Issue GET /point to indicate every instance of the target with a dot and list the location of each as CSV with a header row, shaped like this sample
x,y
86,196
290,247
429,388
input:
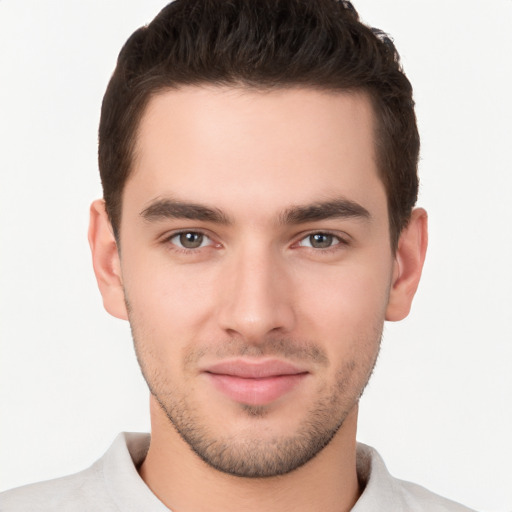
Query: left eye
x,y
320,241
190,240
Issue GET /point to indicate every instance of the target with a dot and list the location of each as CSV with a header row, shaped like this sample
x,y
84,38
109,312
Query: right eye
x,y
190,240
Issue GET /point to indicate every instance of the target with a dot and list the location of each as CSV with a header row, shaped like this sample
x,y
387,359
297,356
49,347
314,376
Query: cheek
x,y
166,300
345,304
346,293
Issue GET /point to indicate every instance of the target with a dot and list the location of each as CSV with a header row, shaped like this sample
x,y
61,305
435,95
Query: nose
x,y
257,295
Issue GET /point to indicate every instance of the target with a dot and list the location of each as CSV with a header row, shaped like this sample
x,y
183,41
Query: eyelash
x,y
341,242
185,250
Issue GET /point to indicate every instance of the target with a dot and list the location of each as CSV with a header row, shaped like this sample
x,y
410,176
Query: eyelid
x,y
343,238
166,239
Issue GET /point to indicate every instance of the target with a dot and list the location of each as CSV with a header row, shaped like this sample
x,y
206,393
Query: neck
x,y
183,482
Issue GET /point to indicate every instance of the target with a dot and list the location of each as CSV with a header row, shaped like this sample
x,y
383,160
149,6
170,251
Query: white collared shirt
x,y
112,484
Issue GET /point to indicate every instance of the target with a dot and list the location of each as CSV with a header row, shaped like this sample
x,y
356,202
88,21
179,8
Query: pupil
x,y
191,240
321,240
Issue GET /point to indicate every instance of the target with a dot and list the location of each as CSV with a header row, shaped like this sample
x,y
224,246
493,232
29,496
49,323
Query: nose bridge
x,y
257,299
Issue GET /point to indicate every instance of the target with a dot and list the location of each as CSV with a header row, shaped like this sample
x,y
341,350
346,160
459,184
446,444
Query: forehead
x,y
213,144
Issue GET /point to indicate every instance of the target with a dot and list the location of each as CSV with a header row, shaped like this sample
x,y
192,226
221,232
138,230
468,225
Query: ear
x,y
106,260
409,259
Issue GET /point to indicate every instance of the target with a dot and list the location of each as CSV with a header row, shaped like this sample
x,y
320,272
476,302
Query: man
x,y
258,162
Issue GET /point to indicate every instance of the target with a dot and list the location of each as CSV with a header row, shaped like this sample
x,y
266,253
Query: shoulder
x,y
111,483
416,497
382,492
82,491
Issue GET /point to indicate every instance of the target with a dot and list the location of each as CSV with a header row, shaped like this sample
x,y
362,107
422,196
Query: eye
x,y
320,241
190,240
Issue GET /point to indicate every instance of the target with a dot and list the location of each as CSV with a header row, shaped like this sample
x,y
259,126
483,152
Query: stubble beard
x,y
249,454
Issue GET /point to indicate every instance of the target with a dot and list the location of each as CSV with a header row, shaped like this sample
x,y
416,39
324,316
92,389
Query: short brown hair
x,y
263,44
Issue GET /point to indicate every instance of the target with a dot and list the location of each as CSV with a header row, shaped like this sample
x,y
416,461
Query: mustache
x,y
282,348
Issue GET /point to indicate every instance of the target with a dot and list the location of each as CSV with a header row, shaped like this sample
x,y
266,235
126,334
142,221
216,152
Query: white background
x,y
439,407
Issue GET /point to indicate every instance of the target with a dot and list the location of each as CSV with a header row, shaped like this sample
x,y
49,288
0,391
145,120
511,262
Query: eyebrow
x,y
173,209
339,208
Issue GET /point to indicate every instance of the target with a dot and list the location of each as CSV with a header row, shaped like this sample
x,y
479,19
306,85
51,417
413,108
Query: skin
x,y
258,287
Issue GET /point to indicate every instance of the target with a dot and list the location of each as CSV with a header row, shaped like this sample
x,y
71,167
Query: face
x,y
256,267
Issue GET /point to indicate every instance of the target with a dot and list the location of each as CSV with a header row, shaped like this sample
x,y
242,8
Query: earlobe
x,y
106,260
409,259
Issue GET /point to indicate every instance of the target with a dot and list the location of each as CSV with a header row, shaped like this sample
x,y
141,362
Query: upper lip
x,y
254,369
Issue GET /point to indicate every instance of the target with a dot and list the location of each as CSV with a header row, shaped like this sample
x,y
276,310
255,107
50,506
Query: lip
x,y
255,382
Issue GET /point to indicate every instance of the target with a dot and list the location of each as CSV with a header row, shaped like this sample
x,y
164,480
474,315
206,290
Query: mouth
x,y
255,382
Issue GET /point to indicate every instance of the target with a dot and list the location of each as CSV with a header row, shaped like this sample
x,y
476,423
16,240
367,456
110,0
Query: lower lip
x,y
260,391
